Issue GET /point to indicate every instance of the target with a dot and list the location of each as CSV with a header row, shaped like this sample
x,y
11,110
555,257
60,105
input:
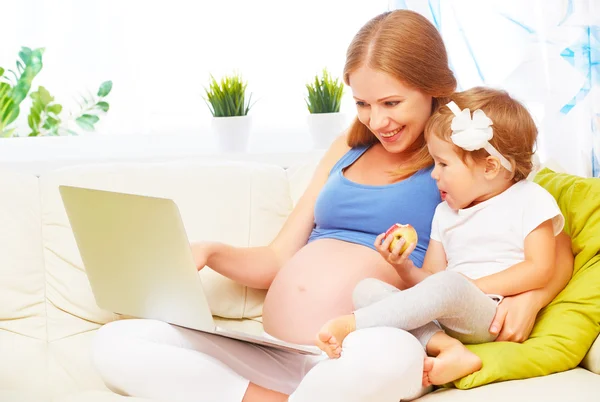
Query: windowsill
x,y
39,155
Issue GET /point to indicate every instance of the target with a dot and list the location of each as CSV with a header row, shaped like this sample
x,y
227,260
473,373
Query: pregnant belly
x,y
316,285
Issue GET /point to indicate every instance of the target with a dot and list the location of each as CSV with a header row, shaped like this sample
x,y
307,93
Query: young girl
x,y
493,236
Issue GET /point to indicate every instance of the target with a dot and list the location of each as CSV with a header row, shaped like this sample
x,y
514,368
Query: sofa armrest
x,y
591,361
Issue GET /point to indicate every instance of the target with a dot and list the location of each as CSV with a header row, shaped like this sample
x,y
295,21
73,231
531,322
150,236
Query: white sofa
x,y
48,315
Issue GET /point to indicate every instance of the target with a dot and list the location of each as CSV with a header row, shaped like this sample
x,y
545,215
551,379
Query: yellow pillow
x,y
566,328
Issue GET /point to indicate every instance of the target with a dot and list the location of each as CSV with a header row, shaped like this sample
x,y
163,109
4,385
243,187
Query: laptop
x,y
139,262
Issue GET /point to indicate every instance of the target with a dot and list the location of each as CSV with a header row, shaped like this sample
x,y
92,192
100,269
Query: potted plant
x,y
226,100
325,122
44,116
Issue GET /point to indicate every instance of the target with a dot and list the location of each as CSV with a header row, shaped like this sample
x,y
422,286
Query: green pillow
x,y
566,328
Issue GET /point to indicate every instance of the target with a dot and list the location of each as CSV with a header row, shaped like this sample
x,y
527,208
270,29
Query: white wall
x,y
159,54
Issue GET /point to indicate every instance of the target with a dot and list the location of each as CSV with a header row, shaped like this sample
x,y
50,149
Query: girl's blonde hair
x,y
515,131
405,45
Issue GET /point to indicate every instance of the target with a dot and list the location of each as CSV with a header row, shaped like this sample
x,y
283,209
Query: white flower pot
x,y
324,128
232,132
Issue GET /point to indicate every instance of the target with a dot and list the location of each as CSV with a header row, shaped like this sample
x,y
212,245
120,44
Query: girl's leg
x,y
377,364
465,304
160,361
448,297
371,290
452,360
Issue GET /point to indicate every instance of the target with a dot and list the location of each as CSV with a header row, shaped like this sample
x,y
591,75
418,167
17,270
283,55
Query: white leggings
x,y
152,359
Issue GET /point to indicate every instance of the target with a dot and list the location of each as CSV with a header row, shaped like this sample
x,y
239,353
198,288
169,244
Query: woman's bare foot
x,y
332,335
451,364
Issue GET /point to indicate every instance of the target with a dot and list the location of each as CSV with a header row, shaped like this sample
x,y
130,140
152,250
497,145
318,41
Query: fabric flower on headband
x,y
474,133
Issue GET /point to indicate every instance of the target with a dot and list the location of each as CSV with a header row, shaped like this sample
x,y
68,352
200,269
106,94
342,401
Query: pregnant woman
x,y
374,175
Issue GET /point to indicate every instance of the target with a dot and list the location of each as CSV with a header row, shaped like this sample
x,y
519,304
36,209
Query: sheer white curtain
x,y
544,52
159,55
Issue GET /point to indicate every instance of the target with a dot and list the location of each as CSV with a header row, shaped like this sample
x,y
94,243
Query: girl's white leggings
x,y
159,361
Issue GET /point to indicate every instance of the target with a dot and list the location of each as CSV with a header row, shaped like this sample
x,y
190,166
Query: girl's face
x,y
460,185
395,113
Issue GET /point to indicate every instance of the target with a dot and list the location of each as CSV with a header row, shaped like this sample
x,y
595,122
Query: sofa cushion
x,y
242,204
574,385
100,396
22,302
591,361
565,329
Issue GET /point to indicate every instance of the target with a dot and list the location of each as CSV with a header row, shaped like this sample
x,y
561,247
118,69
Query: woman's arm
x,y
257,266
535,272
516,315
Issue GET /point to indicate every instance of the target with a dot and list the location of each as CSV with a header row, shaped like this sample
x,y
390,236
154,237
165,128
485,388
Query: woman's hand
x,y
401,263
515,317
201,251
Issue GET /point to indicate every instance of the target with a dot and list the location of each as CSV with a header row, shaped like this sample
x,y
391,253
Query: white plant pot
x,y
324,128
232,132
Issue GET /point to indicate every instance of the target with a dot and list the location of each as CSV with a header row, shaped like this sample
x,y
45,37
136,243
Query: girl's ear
x,y
492,167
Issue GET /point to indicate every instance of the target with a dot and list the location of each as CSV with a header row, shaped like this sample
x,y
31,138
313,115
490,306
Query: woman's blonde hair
x,y
405,45
515,131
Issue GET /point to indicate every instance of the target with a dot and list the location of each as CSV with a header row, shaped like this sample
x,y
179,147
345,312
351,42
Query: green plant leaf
x,y
87,121
43,116
7,133
56,109
33,65
1,71
105,88
102,105
9,110
324,94
227,97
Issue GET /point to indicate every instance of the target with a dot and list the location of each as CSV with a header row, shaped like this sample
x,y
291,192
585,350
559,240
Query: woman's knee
x,y
113,342
377,364
386,350
388,359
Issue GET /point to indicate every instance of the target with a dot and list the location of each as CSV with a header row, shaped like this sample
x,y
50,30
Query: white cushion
x,y
299,177
70,367
99,396
22,303
574,385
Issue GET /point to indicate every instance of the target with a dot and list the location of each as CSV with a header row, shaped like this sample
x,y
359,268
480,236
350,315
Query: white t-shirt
x,y
490,237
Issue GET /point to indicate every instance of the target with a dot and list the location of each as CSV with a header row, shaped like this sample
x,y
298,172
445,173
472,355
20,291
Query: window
x,y
159,55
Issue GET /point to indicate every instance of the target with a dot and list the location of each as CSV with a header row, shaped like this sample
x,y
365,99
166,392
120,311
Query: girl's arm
x,y
516,315
257,266
534,273
435,259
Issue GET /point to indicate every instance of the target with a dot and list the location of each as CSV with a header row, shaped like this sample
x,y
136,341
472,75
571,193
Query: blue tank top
x,y
358,213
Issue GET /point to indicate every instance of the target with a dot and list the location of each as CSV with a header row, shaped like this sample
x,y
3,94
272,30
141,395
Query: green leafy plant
x,y
14,91
44,114
227,97
324,94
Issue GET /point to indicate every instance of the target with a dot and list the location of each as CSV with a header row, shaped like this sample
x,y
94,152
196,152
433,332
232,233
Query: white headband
x,y
473,134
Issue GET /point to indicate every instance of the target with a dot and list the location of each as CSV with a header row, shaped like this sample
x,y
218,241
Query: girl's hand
x,y
515,317
400,262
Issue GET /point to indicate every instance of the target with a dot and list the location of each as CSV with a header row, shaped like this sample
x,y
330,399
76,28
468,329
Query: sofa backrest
x,y
46,303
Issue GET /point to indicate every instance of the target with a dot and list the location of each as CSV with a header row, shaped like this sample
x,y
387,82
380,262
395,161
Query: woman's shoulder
x,y
341,155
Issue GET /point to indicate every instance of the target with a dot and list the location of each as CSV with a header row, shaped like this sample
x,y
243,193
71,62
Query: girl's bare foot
x,y
451,364
332,335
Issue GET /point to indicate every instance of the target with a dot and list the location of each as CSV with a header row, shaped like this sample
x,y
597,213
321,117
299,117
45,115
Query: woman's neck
x,y
392,159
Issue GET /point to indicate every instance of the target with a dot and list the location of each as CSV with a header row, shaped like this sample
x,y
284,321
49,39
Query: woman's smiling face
x,y
395,113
